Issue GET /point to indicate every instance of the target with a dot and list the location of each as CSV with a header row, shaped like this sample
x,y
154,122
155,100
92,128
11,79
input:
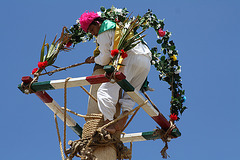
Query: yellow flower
x,y
174,57
96,52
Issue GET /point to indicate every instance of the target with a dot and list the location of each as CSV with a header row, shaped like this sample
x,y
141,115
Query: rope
x,y
164,135
130,149
112,76
59,138
130,119
65,113
145,94
96,116
89,94
122,116
84,148
27,88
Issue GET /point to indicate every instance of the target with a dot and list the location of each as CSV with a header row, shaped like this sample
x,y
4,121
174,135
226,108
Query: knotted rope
x,y
84,148
166,137
27,88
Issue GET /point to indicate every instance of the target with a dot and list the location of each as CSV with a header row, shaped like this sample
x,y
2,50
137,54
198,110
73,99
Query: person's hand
x,y
90,60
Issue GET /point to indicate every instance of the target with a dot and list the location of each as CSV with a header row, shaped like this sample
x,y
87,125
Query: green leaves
x,y
168,67
55,48
159,41
102,9
42,50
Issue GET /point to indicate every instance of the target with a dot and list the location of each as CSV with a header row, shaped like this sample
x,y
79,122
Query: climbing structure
x,y
167,65
39,88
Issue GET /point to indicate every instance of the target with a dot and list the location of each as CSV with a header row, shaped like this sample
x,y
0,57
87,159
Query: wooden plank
x,y
73,82
136,137
53,105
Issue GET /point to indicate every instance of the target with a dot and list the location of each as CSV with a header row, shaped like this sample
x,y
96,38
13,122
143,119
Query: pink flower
x,y
34,70
124,54
42,65
161,32
114,52
173,117
69,44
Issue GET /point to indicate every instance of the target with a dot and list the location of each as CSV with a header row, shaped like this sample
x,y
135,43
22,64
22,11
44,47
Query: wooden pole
x,y
101,153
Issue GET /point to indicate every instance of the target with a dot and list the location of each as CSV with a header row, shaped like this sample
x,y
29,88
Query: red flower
x,y
42,65
68,44
161,32
34,70
116,20
173,116
124,54
114,52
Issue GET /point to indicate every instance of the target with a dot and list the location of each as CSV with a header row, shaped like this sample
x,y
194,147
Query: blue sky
x,y
206,34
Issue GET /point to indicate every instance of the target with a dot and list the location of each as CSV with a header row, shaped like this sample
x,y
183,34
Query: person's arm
x,y
105,41
90,59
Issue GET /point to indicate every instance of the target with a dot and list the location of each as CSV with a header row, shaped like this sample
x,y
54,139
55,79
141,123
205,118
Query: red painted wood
x,y
27,79
162,121
97,79
44,96
120,76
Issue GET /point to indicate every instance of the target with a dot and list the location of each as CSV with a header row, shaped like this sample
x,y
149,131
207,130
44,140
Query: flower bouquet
x,y
127,39
62,44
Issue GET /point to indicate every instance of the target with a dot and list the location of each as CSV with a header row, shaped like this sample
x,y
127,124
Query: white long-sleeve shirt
x,y
136,68
106,42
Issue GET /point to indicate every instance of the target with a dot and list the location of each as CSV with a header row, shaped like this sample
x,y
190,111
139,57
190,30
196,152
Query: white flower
x,y
116,9
99,13
77,21
127,25
170,33
170,51
153,62
178,70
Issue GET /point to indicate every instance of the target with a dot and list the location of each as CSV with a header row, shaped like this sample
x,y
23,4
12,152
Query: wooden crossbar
x,y
54,106
122,82
140,136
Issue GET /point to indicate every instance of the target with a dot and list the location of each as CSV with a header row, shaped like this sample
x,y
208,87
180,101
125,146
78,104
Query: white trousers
x,y
136,68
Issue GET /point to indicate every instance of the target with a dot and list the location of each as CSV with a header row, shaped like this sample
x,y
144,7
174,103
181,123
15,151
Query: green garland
x,y
166,62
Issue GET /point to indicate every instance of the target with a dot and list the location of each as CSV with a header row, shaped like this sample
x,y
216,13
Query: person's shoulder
x,y
107,25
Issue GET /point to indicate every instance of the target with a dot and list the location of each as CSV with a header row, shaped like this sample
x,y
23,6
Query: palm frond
x,y
47,45
129,44
42,50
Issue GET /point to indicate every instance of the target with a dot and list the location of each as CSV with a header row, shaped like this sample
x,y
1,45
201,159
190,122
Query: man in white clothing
x,y
136,67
